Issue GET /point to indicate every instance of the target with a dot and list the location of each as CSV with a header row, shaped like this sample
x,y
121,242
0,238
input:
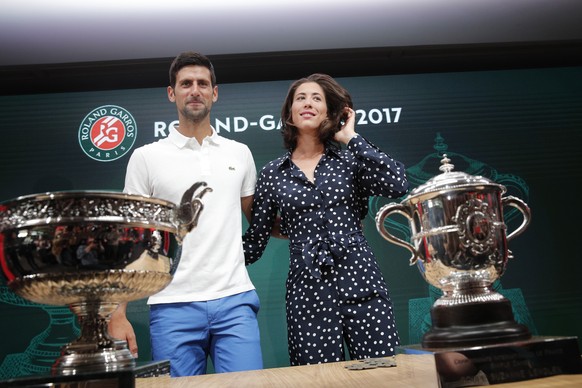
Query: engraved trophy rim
x,y
19,216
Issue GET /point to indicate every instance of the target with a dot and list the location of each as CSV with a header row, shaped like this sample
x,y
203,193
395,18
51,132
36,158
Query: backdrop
x,y
520,128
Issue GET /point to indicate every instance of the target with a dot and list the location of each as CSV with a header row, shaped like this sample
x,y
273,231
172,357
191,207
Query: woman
x,y
335,290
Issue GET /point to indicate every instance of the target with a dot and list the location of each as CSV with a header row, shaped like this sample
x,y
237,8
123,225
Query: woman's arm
x,y
263,221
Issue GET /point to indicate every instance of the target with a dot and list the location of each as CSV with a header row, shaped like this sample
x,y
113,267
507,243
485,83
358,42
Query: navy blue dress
x,y
335,290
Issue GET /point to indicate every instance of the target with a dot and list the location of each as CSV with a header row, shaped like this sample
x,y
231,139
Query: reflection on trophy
x,y
91,250
459,244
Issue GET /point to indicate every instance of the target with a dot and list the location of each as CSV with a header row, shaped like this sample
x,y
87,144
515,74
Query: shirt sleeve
x,y
378,174
263,213
136,175
250,179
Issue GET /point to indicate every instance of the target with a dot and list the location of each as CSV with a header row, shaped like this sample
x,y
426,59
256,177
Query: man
x,y
210,307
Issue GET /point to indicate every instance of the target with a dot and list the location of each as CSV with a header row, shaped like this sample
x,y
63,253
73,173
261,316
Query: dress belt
x,y
322,252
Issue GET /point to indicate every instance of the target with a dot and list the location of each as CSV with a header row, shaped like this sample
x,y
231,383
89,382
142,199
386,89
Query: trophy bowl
x,y
459,244
91,250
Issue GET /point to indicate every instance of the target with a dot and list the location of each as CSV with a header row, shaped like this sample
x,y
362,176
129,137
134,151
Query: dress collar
x,y
331,150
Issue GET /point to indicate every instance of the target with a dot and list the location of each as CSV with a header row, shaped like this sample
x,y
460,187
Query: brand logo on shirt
x,y
107,133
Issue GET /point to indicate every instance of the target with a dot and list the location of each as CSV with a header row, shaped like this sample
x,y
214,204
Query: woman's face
x,y
309,107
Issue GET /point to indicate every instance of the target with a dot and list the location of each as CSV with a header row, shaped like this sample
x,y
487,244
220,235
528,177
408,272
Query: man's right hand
x,y
120,328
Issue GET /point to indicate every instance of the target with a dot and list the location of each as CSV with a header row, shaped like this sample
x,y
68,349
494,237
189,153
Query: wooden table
x,y
336,375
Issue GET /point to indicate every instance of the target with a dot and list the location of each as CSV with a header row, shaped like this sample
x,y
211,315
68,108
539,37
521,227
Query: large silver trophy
x,y
91,250
459,244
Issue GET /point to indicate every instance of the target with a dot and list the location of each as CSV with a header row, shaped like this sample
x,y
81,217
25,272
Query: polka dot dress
x,y
335,291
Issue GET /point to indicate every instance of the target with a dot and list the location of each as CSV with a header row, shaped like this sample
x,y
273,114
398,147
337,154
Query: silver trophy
x,y
91,250
459,244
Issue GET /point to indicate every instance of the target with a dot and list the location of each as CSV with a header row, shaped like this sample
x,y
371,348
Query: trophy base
x,y
88,358
495,363
122,378
474,324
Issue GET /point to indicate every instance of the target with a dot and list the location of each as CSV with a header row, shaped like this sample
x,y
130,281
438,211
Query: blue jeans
x,y
225,329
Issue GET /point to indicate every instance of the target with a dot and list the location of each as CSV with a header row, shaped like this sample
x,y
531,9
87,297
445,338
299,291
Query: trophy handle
x,y
189,209
525,211
384,213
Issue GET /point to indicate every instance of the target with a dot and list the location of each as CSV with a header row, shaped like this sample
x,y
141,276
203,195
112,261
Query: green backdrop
x,y
521,128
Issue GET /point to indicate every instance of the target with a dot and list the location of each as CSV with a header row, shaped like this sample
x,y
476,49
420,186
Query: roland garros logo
x,y
107,133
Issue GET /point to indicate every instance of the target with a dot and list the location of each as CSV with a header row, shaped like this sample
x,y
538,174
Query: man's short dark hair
x,y
190,58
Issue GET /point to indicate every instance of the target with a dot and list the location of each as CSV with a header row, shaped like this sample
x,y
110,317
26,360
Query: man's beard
x,y
195,116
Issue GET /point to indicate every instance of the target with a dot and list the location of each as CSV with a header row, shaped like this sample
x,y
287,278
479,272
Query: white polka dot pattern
x,y
335,289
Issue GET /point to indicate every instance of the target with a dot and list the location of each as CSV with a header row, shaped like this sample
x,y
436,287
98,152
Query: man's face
x,y
193,93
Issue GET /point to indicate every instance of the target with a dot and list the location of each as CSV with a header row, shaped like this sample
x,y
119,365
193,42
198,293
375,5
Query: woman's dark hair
x,y
190,58
336,97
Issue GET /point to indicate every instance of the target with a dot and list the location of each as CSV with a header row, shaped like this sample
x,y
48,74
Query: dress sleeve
x,y
264,213
379,174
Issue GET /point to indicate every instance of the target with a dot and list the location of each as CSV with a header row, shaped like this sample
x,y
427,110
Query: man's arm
x,y
120,328
246,204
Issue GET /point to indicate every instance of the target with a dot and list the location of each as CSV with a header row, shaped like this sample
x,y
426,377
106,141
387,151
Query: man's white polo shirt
x,y
212,261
